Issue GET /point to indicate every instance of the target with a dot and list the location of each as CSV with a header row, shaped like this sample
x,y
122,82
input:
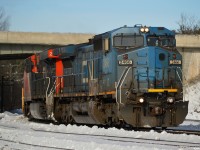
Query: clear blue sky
x,y
95,16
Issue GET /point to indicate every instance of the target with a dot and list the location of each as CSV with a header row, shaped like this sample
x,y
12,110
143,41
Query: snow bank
x,y
20,121
192,94
24,131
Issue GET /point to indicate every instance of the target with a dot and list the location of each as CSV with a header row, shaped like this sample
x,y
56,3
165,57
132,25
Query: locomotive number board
x,y
125,62
175,62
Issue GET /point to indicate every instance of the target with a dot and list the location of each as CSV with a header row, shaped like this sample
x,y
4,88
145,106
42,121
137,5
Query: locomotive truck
x,y
126,76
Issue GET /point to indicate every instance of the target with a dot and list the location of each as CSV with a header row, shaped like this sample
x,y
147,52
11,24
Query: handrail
x,y
122,83
179,77
182,73
47,87
186,85
53,88
119,83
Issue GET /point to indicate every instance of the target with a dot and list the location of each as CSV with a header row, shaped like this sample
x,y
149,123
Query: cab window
x,y
128,41
162,41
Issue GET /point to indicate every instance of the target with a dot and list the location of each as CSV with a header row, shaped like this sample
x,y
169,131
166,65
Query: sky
x,y
94,16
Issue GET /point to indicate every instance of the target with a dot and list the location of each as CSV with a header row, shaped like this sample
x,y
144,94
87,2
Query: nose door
x,y
161,67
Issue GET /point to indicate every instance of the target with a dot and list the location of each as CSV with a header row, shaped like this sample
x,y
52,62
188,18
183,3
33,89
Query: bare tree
x,y
189,24
4,20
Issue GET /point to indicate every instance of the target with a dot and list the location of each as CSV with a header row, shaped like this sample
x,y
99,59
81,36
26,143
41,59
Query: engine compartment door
x,y
161,67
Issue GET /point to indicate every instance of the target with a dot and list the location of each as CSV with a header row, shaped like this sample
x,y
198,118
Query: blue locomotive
x,y
130,75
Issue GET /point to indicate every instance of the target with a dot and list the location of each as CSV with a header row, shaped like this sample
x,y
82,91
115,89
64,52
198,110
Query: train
x,y
127,76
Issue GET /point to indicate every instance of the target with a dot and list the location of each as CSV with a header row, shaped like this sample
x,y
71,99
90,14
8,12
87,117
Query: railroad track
x,y
168,130
36,146
177,144
132,140
180,131
32,145
192,120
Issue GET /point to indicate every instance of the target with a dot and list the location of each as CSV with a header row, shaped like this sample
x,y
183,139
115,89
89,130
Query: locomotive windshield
x,y
163,41
128,41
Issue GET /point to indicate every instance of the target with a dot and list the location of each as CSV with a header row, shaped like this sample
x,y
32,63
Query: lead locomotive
x,y
130,75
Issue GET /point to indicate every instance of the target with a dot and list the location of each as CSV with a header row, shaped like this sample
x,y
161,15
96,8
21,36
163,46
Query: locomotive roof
x,y
135,29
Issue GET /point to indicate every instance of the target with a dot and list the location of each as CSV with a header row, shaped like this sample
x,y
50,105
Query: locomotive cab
x,y
150,77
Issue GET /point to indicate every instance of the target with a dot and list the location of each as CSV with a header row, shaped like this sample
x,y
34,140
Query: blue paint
x,y
150,68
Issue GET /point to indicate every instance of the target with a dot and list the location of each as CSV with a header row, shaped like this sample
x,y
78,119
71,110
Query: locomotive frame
x,y
130,75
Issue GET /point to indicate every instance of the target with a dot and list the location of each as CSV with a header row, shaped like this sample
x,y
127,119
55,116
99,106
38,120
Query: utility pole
x,y
2,78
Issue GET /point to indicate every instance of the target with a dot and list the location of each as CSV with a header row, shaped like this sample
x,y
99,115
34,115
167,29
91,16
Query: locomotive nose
x,y
125,80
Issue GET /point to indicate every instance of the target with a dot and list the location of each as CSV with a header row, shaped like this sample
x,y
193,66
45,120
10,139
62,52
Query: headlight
x,y
141,100
170,99
146,29
142,29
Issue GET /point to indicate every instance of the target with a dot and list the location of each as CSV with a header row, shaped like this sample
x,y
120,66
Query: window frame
x,y
126,46
160,38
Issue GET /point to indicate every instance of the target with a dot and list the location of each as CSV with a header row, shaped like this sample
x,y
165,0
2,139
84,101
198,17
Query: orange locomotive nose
x,y
34,61
59,76
59,71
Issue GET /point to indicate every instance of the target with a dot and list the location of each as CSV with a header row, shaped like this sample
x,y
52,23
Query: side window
x,y
106,44
97,44
101,44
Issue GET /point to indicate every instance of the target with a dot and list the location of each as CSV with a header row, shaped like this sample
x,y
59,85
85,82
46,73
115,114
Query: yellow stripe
x,y
107,93
83,94
162,90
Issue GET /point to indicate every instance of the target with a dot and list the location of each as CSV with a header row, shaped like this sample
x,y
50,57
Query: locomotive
x,y
126,76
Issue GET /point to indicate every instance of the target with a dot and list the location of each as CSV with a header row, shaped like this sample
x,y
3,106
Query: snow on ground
x,y
22,131
192,94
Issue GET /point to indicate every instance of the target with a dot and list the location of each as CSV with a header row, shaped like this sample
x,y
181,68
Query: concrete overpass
x,y
27,43
22,44
189,47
